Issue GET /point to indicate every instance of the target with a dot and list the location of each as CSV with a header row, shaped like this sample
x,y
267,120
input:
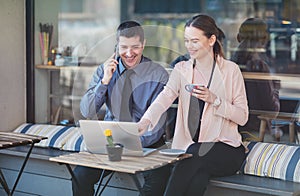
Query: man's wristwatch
x,y
217,102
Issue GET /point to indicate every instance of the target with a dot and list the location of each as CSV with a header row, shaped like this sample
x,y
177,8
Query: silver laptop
x,y
125,133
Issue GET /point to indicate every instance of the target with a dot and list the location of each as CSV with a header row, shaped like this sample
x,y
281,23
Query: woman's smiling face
x,y
130,50
196,43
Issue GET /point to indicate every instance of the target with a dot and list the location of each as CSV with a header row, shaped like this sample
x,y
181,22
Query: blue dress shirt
x,y
148,81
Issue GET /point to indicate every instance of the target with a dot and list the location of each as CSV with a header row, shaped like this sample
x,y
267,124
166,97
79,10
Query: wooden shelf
x,y
53,67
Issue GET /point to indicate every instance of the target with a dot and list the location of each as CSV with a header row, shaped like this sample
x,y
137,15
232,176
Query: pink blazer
x,y
218,123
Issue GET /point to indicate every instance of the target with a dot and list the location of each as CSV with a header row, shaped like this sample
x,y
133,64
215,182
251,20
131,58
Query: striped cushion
x,y
279,161
61,137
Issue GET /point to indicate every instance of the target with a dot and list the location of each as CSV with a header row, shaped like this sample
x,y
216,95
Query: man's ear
x,y
144,44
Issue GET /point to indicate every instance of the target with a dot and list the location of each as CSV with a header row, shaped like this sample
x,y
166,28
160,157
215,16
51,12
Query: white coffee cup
x,y
190,87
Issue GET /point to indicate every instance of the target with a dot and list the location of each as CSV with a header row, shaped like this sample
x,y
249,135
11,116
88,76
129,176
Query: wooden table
x,y
11,139
129,164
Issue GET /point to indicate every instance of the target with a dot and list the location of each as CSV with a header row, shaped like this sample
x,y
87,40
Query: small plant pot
x,y
115,152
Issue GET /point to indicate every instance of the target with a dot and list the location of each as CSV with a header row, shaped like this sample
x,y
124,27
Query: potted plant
x,y
114,150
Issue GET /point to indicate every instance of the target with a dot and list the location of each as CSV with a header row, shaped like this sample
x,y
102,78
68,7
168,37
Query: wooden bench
x,y
41,175
247,185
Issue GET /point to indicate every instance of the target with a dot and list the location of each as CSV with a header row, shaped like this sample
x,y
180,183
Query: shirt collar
x,y
121,67
138,69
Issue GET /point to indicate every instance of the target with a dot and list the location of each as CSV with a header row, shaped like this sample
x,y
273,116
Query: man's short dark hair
x,y
255,30
130,29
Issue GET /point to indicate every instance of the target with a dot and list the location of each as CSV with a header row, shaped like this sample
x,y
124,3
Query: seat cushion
x,y
273,160
61,137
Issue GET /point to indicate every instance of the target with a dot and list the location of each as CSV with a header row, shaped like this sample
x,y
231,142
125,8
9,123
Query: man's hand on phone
x,y
110,66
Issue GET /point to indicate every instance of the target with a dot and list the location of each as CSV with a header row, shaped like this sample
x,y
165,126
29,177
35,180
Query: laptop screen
x,y
125,133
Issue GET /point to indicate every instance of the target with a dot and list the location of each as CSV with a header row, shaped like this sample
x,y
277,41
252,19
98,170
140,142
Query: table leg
x,y
72,174
262,129
100,181
2,178
137,184
292,132
22,169
106,183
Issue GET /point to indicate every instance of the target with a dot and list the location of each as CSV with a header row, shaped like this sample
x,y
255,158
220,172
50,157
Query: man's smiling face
x,y
130,50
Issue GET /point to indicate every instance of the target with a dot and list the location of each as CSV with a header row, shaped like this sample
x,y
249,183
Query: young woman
x,y
208,116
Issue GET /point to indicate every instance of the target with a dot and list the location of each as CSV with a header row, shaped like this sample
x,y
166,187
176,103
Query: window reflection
x,y
82,24
87,28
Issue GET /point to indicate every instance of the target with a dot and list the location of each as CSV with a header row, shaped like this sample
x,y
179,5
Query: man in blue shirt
x,y
147,80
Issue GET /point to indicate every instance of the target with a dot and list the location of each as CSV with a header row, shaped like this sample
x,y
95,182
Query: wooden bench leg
x,y
262,129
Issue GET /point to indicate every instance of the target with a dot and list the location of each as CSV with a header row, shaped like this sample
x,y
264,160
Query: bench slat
x,y
257,184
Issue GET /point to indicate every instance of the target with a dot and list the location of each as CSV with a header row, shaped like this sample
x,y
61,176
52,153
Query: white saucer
x,y
172,152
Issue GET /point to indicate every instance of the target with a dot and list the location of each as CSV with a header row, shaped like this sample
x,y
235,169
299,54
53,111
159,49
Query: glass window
x,y
84,36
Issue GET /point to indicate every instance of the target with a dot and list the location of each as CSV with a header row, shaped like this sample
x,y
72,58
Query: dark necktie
x,y
196,110
126,103
194,117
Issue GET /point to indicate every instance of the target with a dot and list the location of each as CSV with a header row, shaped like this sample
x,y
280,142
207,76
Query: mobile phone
x,y
117,51
190,87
